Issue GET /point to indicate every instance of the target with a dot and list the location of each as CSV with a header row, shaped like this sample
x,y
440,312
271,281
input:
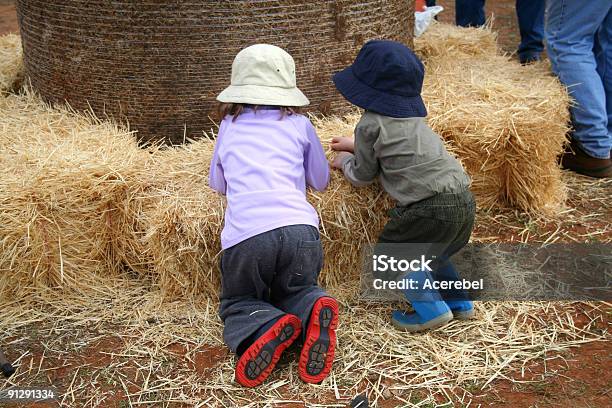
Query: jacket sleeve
x,y
362,167
216,178
315,162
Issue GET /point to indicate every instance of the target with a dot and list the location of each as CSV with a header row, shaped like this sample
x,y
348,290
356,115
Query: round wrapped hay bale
x,y
159,65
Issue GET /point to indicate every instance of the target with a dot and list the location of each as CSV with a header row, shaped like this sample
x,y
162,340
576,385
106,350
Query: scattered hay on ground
x,y
588,217
153,351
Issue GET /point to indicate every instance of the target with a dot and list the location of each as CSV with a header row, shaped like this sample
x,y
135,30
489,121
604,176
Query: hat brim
x,y
263,95
360,94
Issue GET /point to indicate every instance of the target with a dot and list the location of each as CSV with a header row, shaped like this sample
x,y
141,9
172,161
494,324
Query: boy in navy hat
x,y
394,144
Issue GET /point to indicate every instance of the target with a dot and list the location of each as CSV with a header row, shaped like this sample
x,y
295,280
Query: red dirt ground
x,y
581,378
580,375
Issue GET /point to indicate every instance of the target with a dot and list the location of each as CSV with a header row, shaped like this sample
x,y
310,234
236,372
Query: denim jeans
x,y
470,13
265,277
530,13
579,41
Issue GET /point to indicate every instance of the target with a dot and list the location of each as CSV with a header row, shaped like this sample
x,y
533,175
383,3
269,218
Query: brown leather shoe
x,y
580,162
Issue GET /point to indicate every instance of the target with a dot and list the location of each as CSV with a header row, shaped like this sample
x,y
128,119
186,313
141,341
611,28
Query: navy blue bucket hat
x,y
385,78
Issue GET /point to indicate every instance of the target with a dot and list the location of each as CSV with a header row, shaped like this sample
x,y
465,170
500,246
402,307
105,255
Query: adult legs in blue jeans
x,y
469,13
530,15
575,32
603,55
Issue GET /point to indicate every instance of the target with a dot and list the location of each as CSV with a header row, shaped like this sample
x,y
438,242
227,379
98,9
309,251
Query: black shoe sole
x,y
262,360
318,352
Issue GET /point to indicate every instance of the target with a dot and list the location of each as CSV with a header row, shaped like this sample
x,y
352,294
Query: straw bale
x,y
88,204
350,218
506,122
62,191
11,63
446,40
175,236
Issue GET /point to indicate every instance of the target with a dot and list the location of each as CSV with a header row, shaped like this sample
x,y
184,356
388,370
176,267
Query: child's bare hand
x,y
339,159
343,144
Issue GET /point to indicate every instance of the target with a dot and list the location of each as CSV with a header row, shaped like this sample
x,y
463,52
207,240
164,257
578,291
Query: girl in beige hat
x,y
265,156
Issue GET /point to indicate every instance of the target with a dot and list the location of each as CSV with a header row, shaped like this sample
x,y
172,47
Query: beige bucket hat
x,y
263,74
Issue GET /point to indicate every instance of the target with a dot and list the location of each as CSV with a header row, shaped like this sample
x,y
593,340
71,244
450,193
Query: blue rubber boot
x,y
430,311
462,309
460,305
426,316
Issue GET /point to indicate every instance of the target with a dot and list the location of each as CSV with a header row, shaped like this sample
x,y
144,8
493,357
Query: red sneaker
x,y
317,354
258,361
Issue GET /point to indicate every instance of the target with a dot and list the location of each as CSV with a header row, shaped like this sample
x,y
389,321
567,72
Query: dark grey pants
x,y
446,220
266,276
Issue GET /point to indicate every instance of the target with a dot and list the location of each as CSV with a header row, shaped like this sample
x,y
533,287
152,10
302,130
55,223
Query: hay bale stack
x,y
80,203
11,63
506,122
89,204
176,239
62,195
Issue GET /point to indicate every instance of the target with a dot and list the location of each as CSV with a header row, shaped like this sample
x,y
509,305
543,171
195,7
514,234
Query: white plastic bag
x,y
422,19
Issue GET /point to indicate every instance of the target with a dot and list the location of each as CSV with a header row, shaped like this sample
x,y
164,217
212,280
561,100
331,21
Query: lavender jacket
x,y
262,163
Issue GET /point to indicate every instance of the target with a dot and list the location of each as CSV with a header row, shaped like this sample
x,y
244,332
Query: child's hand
x,y
343,144
339,159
